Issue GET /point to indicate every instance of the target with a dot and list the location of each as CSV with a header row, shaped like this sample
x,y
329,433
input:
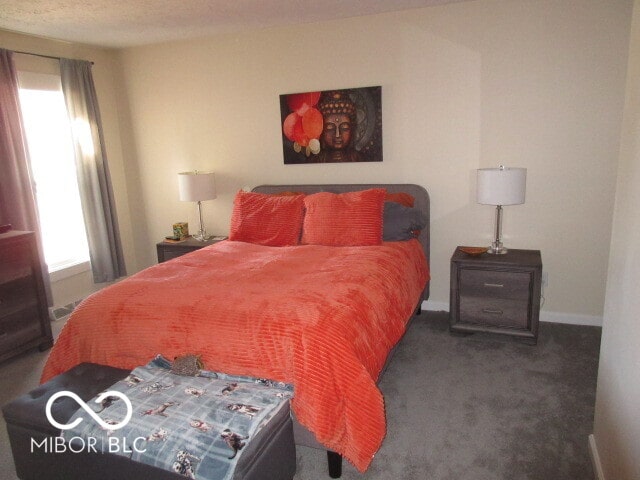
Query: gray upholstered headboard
x,y
419,193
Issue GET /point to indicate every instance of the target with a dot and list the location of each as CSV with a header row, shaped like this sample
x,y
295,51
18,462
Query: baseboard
x,y
595,458
570,318
435,306
545,316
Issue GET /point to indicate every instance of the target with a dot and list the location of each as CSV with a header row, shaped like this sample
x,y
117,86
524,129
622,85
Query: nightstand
x,y
169,250
496,293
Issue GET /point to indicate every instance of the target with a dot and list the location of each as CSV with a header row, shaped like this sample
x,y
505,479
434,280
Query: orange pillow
x,y
345,219
267,219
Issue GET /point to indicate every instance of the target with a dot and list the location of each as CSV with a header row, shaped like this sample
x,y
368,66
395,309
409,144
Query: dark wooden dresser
x,y
24,318
496,293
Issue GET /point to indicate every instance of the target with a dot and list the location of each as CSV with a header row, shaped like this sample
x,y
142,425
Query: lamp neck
x,y
496,246
202,233
200,216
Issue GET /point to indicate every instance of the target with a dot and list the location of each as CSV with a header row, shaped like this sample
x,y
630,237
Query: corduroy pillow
x,y
267,219
345,219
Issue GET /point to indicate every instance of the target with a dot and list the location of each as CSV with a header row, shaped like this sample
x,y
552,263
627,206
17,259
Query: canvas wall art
x,y
332,126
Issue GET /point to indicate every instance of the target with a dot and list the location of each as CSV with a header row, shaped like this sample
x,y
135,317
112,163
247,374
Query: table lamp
x,y
197,187
500,186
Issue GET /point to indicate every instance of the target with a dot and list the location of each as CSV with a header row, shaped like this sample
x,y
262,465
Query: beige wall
x,y
536,84
106,82
617,419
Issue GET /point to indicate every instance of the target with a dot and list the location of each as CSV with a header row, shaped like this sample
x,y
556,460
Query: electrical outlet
x,y
545,279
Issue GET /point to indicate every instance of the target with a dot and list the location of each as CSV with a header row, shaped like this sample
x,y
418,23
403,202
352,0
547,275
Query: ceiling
x,y
125,23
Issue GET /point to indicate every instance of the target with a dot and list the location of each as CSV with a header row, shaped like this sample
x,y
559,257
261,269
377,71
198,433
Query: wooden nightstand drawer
x,y
16,263
20,327
169,254
507,313
495,283
19,253
17,294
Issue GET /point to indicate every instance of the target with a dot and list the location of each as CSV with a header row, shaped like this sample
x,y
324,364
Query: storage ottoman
x,y
269,455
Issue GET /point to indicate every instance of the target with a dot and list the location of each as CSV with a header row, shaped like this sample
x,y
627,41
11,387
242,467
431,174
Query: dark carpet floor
x,y
483,407
480,407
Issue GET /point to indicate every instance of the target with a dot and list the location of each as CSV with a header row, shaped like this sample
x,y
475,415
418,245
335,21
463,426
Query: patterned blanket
x,y
195,426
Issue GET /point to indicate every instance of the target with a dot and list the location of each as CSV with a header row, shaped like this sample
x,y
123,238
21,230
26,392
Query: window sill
x,y
69,270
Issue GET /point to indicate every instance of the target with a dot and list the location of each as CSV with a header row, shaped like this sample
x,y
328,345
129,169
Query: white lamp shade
x,y
196,186
501,186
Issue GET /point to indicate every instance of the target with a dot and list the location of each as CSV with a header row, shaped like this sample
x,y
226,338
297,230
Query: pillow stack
x,y
360,218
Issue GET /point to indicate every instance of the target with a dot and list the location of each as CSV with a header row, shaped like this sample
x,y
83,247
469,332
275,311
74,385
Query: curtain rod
x,y
41,55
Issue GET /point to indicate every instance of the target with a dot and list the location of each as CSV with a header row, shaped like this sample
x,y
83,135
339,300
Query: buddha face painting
x,y
332,126
336,134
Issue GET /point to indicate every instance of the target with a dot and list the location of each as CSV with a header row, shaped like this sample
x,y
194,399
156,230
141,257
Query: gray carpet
x,y
459,408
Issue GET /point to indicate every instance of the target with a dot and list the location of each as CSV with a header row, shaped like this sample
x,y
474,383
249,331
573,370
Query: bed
x,y
321,316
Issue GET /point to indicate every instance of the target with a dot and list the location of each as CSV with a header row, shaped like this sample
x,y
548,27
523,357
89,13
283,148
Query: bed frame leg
x,y
335,464
419,309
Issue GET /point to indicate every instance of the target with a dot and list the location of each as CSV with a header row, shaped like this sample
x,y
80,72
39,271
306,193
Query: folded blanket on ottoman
x,y
195,426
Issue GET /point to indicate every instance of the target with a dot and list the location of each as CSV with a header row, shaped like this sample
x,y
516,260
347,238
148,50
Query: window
x,y
51,150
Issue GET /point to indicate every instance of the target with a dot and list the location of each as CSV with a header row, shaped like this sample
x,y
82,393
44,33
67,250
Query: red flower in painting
x,y
303,125
292,128
300,102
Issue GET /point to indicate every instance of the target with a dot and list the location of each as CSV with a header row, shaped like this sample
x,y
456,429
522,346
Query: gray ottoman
x,y
269,456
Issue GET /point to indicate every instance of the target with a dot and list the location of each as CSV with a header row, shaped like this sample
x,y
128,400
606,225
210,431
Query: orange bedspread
x,y
322,318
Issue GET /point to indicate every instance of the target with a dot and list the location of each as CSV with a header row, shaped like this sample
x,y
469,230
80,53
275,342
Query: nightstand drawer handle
x,y
494,285
492,311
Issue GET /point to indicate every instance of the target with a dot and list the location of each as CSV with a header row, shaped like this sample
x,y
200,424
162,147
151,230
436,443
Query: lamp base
x,y
497,248
202,236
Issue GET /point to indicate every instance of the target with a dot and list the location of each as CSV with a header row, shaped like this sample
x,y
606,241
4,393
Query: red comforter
x,y
322,318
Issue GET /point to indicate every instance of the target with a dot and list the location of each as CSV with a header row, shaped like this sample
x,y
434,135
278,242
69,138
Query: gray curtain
x,y
94,181
17,193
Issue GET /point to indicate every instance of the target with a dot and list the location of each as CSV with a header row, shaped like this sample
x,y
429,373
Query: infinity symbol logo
x,y
87,408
